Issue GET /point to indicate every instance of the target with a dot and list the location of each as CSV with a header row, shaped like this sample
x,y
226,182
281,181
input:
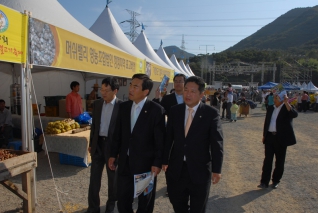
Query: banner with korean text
x,y
55,47
13,35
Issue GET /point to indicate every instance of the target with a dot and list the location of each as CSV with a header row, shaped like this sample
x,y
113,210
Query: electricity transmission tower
x,y
133,25
182,47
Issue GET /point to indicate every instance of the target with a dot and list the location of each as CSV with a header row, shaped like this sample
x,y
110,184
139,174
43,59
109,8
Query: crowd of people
x,y
177,133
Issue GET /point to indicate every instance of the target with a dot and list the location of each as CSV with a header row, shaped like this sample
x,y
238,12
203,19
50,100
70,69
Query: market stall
x,y
73,145
14,163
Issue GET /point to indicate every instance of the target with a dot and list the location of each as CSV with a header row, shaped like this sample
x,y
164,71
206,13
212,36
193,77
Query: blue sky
x,y
207,25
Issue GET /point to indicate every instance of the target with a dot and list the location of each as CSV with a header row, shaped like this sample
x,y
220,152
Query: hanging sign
x,y
13,35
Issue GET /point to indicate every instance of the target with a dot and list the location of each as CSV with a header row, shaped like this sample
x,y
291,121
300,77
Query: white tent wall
x,y
55,83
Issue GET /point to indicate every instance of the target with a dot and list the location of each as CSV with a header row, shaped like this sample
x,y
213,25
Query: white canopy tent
x,y
162,54
183,66
142,44
311,87
174,61
303,86
107,28
189,69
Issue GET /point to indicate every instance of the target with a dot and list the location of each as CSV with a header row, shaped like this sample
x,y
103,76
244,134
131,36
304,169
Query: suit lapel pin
x,y
200,116
145,111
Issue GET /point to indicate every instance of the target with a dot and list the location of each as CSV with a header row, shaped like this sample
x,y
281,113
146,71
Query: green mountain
x,y
177,52
298,28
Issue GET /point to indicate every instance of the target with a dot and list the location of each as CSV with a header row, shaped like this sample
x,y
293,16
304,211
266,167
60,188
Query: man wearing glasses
x,y
105,111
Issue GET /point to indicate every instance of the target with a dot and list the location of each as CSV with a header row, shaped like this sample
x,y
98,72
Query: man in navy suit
x,y
139,143
194,149
278,133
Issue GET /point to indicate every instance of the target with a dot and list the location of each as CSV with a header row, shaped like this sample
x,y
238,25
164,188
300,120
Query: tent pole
x,y
23,108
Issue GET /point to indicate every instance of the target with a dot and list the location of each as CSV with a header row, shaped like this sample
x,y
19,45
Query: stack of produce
x,y
58,127
6,154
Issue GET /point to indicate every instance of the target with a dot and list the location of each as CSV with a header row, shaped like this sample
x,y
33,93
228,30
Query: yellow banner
x,y
13,35
55,47
157,72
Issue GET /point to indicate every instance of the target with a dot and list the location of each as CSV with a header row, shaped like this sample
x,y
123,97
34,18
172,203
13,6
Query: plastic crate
x,y
53,100
71,160
16,145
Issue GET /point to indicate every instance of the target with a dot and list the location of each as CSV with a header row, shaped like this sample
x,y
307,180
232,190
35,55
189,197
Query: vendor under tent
x,y
268,85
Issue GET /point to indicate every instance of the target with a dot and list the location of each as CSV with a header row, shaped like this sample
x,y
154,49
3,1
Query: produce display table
x,y
21,164
16,120
70,144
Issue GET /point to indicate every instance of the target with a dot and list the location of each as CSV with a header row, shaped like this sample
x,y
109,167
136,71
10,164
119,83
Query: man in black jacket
x,y
278,133
139,142
173,98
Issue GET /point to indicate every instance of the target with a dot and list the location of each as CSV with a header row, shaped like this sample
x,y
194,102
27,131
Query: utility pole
x,y
206,58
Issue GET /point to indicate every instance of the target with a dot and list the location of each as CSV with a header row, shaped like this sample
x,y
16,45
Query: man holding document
x,y
193,153
138,140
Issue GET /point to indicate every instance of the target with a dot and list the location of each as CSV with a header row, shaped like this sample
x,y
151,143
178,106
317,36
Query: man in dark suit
x,y
105,113
278,133
139,141
173,98
193,150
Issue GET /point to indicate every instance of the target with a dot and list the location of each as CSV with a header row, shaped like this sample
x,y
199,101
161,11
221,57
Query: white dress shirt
x,y
272,125
107,111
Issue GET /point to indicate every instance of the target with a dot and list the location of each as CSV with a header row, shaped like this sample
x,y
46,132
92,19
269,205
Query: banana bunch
x,y
58,127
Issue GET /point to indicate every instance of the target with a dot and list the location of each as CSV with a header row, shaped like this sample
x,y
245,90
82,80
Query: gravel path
x,y
237,191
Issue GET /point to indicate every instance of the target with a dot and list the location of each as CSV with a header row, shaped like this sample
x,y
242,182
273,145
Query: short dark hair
x,y
147,83
112,82
229,84
234,102
179,75
197,80
2,101
74,84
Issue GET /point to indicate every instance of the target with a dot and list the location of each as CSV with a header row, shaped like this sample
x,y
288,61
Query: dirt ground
x,y
236,192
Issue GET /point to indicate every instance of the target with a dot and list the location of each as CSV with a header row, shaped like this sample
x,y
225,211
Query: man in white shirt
x,y
278,133
5,125
105,111
229,105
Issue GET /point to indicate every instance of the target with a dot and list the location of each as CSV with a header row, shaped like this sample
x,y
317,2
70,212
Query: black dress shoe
x,y
274,185
263,186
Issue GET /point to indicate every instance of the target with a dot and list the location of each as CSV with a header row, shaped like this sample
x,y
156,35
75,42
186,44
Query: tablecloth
x,y
70,144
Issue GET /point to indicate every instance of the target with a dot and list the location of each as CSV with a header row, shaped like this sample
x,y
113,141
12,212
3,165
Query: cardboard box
x,y
62,108
51,111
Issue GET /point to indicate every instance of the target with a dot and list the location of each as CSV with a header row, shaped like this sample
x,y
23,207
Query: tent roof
x,y
173,59
304,85
142,44
311,87
52,12
189,68
107,28
268,85
288,86
162,54
183,66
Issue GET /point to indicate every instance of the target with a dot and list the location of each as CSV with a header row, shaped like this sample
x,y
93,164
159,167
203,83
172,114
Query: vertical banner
x,y
13,35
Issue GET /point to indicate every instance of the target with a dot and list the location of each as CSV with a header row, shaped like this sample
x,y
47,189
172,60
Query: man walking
x,y
193,153
105,113
278,133
173,98
139,141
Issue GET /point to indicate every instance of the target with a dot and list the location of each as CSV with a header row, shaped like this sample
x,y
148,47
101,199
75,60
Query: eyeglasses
x,y
104,90
178,82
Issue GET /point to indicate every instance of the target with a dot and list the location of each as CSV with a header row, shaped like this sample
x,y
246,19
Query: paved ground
x,y
237,191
